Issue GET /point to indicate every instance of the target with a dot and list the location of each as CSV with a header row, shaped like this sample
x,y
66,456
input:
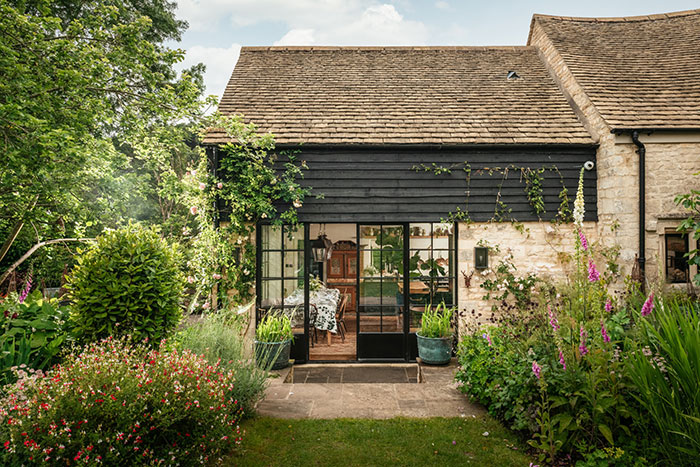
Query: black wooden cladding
x,y
382,185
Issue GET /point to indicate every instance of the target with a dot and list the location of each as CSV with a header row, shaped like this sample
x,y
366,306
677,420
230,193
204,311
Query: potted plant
x,y
273,340
435,335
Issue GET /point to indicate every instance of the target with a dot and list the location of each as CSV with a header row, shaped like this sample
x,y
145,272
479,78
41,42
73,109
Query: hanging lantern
x,y
321,248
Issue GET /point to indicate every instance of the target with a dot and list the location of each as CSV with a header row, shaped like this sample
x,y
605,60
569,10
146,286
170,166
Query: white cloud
x,y
297,37
219,62
442,5
376,25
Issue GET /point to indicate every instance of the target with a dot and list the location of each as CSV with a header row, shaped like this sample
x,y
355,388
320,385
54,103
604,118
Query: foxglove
x,y
648,305
593,275
536,369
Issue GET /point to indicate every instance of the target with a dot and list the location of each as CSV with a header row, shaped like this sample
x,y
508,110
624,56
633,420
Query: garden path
x,y
436,395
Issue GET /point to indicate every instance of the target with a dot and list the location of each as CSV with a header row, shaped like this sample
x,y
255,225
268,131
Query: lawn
x,y
398,441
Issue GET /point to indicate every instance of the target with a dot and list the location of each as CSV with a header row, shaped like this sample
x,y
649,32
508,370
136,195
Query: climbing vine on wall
x,y
249,189
533,190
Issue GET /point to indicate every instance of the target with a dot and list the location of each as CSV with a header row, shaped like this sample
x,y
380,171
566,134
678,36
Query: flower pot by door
x,y
272,355
434,350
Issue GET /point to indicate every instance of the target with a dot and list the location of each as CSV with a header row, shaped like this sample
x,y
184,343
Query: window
x,y
676,261
282,271
432,267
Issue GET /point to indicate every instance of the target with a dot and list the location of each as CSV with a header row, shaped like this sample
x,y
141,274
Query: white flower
x,y
579,208
193,210
219,185
296,203
264,215
216,276
190,279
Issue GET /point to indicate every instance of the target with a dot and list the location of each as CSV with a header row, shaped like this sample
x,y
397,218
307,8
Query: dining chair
x,y
340,317
313,314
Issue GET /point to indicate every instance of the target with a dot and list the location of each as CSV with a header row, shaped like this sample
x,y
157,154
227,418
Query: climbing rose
x,y
604,332
216,276
608,306
202,186
584,242
579,209
219,185
593,275
193,210
561,359
648,305
536,369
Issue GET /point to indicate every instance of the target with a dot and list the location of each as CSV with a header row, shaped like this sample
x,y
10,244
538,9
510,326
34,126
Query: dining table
x,y
326,302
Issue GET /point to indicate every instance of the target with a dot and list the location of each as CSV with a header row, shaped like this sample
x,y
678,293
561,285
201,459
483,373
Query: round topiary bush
x,y
128,282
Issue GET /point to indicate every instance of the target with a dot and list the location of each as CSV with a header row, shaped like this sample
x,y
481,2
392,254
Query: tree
x,y
80,81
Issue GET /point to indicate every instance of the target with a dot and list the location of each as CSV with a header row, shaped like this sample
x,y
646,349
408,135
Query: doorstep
x,y
436,395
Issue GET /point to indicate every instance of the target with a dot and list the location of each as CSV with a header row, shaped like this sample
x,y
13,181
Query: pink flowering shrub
x,y
114,404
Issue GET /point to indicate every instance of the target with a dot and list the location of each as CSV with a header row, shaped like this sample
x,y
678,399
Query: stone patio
x,y
384,392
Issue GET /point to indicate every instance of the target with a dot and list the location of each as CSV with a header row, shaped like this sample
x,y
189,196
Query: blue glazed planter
x,y
272,355
434,350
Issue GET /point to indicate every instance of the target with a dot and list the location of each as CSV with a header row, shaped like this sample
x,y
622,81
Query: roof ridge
x,y
619,19
392,47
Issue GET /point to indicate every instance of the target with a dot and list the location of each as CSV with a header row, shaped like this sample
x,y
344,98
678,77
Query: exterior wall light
x,y
481,257
588,165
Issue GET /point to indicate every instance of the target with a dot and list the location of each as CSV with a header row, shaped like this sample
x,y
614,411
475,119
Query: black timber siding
x,y
383,185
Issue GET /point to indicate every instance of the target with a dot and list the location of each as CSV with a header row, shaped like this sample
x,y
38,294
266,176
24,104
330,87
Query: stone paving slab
x,y
436,396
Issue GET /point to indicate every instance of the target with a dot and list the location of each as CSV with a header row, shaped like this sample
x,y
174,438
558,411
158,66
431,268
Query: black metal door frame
x,y
361,342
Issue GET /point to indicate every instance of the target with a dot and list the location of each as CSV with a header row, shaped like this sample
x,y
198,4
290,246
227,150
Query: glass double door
x,y
382,327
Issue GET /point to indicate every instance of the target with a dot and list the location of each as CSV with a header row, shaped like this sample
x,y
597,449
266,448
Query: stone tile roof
x,y
639,72
400,95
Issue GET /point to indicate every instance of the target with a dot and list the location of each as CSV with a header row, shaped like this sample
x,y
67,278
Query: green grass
x,y
398,441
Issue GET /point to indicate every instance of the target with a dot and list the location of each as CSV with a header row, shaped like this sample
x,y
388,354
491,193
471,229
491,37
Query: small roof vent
x,y
512,75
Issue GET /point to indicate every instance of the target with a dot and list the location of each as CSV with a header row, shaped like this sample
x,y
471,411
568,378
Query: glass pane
x,y
370,291
271,294
370,263
676,261
294,292
444,291
368,236
443,236
390,291
418,231
419,264
391,319
271,264
441,263
271,237
294,264
391,237
294,238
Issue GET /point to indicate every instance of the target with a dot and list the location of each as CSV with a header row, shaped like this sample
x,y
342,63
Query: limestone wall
x,y
541,249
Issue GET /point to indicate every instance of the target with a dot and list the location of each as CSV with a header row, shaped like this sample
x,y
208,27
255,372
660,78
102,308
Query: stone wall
x,y
542,248
671,161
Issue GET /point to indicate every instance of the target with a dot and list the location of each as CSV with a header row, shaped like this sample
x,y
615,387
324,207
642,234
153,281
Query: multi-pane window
x,y
676,260
432,267
282,270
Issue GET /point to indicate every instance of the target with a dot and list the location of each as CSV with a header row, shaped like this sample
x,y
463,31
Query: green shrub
x,y
274,328
220,339
665,369
128,282
115,404
436,322
32,334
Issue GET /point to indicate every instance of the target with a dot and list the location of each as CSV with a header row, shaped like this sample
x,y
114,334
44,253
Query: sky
x,y
218,28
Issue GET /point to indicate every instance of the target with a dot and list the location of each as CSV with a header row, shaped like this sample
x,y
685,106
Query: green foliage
x,y
223,258
128,282
534,189
33,334
437,321
691,202
84,83
274,328
664,369
117,404
219,339
505,283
